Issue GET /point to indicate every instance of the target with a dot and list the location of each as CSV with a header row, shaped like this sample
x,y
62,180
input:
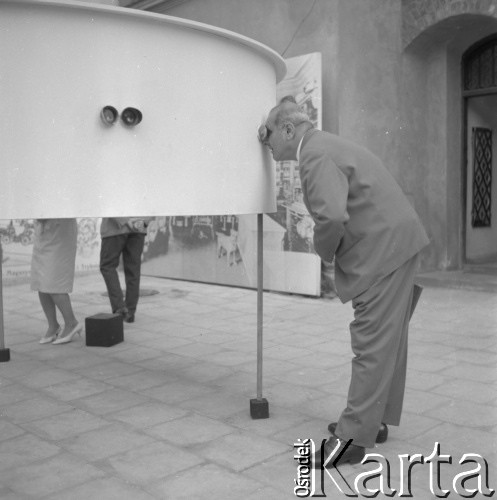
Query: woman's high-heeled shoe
x,y
68,338
47,340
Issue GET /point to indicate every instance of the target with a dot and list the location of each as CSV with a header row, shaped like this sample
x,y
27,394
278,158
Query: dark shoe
x,y
337,452
122,311
129,318
381,437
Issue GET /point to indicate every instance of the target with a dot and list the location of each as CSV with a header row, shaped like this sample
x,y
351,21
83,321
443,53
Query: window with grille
x,y
481,213
480,67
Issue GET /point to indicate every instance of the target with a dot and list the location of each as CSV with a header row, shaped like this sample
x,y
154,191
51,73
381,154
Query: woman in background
x,y
52,276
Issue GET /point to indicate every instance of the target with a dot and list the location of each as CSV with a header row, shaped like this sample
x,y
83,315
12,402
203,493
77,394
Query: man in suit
x,y
363,220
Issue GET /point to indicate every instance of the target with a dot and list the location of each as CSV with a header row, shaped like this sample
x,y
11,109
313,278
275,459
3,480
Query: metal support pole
x,y
4,353
260,276
259,407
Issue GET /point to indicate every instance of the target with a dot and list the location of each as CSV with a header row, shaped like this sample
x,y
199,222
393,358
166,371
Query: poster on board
x,y
17,235
222,248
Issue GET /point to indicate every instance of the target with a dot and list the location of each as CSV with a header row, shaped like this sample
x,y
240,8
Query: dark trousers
x,y
131,247
379,341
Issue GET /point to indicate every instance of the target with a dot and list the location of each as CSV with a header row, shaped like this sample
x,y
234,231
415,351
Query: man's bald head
x,y
288,112
284,128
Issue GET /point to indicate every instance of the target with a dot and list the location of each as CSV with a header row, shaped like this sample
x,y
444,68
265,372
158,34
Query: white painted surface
x,y
203,92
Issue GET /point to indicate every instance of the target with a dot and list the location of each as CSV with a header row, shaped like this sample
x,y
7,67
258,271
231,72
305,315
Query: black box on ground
x,y
104,330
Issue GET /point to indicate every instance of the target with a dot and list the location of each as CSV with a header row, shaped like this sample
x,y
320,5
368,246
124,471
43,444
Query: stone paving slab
x,y
165,414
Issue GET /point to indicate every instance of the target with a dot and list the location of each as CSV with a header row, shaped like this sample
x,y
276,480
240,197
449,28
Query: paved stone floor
x,y
165,414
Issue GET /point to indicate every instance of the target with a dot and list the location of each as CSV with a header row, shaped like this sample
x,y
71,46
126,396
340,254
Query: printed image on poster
x,y
17,236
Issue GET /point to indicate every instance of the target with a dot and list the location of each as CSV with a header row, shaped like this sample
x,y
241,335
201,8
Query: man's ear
x,y
289,129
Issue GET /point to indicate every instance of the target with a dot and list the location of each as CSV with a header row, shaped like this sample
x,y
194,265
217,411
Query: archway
x,y
432,72
418,16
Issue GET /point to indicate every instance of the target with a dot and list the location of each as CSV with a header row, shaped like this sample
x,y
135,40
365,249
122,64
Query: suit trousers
x,y
130,245
379,334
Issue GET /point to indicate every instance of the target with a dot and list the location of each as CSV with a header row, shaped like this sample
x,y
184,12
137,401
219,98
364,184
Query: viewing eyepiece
x,y
131,117
109,115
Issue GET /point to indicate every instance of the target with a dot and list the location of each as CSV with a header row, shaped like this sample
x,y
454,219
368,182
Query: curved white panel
x,y
202,92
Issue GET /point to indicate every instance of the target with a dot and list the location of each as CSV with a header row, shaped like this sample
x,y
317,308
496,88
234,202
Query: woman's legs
x,y
48,306
63,303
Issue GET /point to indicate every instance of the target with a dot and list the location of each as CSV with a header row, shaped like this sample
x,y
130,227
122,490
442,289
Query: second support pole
x,y
259,407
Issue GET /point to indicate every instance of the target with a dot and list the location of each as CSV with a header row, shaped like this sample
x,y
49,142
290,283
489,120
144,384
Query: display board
x,y
222,248
200,92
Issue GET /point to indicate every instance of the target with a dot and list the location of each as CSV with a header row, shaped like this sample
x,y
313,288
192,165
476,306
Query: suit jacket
x,y
361,215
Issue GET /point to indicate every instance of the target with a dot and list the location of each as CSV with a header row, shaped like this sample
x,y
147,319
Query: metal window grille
x,y
481,213
480,67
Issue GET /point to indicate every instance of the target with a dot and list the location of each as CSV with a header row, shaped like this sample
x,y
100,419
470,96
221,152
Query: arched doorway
x,y
480,110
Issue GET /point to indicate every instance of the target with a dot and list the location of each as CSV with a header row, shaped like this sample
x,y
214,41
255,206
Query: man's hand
x,y
262,134
137,224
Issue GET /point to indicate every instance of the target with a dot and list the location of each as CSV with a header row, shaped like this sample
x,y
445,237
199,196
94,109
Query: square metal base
x,y
4,355
259,408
